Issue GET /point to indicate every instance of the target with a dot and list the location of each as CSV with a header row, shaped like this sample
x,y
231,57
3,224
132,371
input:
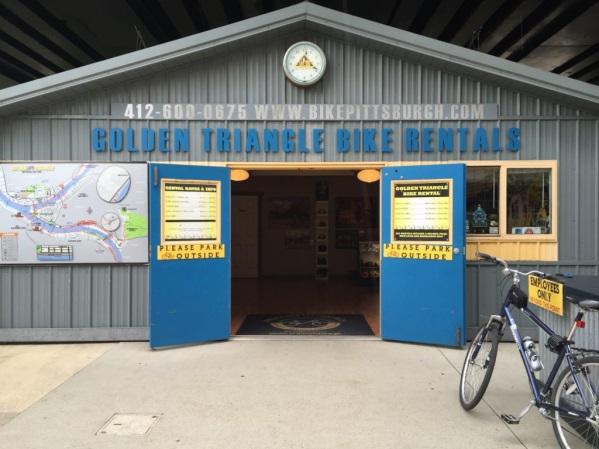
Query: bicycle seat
x,y
589,305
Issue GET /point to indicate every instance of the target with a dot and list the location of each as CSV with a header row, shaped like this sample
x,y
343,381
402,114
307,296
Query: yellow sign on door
x,y
421,211
548,295
187,252
417,251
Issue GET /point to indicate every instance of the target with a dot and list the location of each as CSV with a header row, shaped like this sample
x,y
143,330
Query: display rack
x,y
322,240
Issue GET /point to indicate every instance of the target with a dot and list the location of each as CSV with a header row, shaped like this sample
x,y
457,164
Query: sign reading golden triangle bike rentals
x,y
421,220
548,295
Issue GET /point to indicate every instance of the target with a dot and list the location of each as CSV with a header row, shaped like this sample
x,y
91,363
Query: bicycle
x,y
570,400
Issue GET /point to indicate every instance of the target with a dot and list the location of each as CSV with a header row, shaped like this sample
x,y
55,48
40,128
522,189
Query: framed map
x,y
73,213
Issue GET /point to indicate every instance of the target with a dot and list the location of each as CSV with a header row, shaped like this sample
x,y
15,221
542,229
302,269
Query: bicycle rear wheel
x,y
571,431
478,365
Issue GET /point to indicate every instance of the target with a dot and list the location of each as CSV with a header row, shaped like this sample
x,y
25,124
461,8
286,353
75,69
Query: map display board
x,y
73,213
422,211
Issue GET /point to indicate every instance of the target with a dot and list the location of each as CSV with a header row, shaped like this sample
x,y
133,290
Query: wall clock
x,y
304,63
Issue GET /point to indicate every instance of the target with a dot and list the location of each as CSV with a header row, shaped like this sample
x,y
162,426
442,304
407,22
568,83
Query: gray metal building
x,y
51,119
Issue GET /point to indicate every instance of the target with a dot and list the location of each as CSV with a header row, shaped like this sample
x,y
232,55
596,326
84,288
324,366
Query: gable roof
x,y
175,52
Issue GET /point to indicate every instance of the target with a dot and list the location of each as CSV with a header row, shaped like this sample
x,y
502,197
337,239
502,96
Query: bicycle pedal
x,y
510,419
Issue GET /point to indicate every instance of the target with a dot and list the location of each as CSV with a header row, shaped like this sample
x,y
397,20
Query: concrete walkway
x,y
282,394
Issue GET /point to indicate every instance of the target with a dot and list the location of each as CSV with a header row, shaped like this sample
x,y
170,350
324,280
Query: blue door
x,y
190,269
422,254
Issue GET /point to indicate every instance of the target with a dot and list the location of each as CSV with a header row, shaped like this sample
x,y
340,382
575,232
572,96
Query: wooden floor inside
x,y
305,296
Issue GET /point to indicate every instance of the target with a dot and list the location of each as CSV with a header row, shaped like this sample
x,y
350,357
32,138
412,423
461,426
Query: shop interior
x,y
305,252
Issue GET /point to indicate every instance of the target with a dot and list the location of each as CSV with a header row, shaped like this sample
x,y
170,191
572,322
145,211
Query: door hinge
x,y
155,176
458,336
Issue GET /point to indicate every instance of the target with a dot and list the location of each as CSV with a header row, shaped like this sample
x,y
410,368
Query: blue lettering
x,y
163,140
317,135
368,140
237,140
446,139
115,139
513,139
427,138
412,144
496,140
271,140
480,140
148,139
99,139
288,142
252,142
182,139
301,140
386,139
206,133
223,140
342,140
130,139
357,145
463,132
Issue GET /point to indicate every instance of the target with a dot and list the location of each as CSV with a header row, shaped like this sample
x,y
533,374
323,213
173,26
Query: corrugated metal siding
x,y
100,296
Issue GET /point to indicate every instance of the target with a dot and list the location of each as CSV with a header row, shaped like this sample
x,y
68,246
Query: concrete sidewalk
x,y
282,394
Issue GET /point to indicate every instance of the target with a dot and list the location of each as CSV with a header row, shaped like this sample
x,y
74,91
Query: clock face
x,y
110,221
304,63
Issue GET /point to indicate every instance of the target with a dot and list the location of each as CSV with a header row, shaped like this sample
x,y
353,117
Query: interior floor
x,y
304,296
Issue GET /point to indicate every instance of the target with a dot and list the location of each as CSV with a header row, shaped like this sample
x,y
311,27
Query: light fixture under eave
x,y
239,175
369,175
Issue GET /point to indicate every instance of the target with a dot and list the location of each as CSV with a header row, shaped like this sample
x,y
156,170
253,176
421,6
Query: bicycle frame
x,y
565,353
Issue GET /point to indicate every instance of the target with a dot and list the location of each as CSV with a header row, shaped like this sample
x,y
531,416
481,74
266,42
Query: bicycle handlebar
x,y
507,269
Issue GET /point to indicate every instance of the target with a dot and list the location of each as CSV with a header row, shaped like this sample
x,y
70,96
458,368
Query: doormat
x,y
305,325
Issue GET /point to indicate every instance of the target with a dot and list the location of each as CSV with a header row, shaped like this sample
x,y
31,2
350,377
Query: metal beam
x,y
146,11
577,59
268,5
20,65
17,44
524,27
424,14
10,72
460,17
30,31
233,10
569,15
60,27
162,19
394,12
196,15
494,22
582,72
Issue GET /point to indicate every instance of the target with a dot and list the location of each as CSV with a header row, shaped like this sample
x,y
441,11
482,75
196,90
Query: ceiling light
x,y
239,175
369,175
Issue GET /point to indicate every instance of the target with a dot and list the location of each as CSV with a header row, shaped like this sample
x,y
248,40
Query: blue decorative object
x,y
479,219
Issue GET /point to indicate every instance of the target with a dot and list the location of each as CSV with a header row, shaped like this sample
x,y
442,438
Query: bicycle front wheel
x,y
571,431
478,365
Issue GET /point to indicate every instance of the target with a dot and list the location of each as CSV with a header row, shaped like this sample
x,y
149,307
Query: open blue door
x,y
423,262
190,269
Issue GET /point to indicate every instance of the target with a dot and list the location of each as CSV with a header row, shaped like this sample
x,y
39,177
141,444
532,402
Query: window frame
x,y
503,235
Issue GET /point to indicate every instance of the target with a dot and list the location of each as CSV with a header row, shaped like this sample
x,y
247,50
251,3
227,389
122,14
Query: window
x,y
511,209
511,200
528,201
482,203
